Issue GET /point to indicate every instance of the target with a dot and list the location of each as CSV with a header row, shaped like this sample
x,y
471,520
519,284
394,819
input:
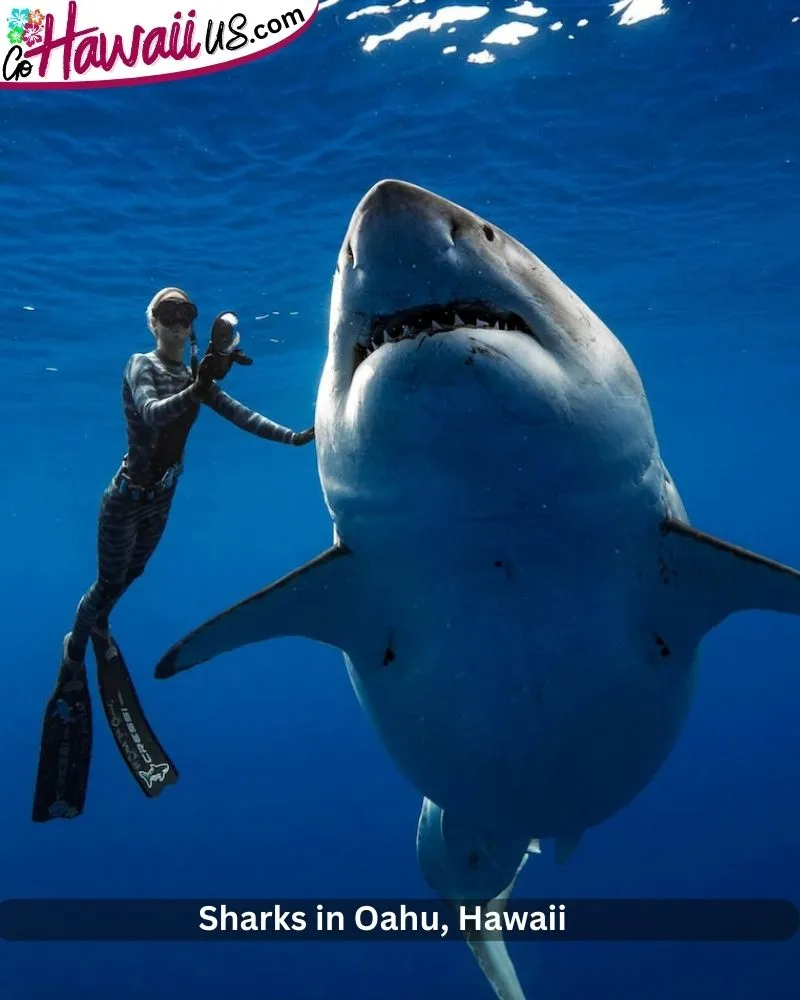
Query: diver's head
x,y
170,315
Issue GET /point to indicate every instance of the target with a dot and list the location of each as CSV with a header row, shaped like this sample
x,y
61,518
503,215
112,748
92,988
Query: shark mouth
x,y
409,324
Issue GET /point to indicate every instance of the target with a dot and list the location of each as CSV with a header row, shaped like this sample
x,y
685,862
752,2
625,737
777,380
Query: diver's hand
x,y
239,358
303,437
214,367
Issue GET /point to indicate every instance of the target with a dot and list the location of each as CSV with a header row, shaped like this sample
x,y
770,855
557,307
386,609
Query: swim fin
x,y
146,759
66,748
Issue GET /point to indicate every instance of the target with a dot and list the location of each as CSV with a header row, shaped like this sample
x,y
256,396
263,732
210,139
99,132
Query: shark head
x,y
462,375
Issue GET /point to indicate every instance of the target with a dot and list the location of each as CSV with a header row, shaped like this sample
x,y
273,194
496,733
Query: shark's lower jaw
x,y
433,320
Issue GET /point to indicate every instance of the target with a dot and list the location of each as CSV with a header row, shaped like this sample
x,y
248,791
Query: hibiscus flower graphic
x,y
15,36
33,34
36,17
19,18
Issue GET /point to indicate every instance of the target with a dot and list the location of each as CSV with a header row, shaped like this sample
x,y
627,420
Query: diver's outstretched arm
x,y
252,422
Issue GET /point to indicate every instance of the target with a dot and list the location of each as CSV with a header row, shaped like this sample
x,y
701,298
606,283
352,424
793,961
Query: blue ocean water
x,y
654,165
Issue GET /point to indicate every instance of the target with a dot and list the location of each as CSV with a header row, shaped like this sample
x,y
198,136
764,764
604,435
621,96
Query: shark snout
x,y
400,221
395,198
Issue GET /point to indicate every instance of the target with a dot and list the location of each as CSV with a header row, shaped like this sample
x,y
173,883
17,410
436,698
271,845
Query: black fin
x,y
66,749
138,745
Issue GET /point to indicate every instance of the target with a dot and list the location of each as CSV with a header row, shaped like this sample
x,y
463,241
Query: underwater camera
x,y
224,333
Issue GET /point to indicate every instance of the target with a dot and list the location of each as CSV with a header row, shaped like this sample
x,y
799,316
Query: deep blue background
x,y
654,166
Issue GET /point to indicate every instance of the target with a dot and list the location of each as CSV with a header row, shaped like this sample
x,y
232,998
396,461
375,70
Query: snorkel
x,y
193,350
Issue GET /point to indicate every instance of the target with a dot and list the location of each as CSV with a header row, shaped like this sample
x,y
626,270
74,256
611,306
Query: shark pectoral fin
x,y
464,864
713,579
306,602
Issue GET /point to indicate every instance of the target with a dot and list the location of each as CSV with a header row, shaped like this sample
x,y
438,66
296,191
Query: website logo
x,y
110,44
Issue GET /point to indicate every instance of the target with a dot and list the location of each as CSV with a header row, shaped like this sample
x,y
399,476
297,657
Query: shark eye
x,y
488,232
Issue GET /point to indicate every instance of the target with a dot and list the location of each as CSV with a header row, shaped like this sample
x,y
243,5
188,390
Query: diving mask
x,y
174,312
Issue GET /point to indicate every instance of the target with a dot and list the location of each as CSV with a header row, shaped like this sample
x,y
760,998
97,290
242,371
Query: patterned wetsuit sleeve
x,y
154,411
246,418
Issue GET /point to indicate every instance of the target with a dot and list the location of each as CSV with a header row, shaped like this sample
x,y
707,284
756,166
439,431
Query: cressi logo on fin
x,y
156,772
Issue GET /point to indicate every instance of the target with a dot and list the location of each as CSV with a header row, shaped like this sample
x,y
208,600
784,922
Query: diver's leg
x,y
138,744
117,531
150,526
149,533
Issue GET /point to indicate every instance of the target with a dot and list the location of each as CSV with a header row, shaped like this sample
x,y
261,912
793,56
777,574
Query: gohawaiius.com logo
x,y
97,43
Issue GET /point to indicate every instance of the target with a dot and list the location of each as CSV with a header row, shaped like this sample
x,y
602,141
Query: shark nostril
x,y
349,253
488,232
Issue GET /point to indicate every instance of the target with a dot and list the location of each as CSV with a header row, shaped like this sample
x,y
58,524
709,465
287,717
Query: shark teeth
x,y
432,321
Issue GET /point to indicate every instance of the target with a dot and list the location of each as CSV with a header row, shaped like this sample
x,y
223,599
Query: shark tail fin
x,y
474,865
491,952
713,579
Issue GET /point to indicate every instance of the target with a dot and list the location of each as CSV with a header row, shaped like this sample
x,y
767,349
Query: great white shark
x,y
513,580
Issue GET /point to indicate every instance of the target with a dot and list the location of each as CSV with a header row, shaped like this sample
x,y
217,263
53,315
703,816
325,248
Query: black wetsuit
x,y
161,404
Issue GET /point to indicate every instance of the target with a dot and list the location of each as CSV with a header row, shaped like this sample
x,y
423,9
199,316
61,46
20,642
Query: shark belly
x,y
550,721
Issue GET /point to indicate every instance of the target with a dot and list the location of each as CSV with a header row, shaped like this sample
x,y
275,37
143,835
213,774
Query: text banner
x,y
357,920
